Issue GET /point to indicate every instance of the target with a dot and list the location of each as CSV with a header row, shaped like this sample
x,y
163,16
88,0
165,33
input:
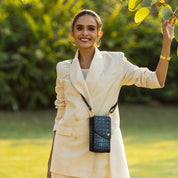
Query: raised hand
x,y
168,29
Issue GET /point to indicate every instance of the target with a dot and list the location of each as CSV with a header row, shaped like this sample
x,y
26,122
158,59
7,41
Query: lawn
x,y
150,137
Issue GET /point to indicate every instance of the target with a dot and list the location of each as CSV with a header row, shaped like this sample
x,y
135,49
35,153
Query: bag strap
x,y
90,109
114,106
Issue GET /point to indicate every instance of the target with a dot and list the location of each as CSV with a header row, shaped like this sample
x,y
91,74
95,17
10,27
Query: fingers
x,y
170,21
174,22
163,22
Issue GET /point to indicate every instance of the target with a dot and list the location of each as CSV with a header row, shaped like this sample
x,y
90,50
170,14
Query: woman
x,y
98,76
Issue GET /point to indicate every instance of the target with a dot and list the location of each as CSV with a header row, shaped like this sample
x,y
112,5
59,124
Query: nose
x,y
85,31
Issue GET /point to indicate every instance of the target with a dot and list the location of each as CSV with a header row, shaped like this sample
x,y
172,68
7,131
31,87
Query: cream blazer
x,y
108,72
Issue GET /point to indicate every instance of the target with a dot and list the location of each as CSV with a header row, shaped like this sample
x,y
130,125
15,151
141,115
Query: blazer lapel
x,y
86,87
95,71
78,80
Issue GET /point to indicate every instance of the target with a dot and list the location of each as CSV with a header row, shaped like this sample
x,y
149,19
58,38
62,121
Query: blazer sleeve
x,y
139,76
60,100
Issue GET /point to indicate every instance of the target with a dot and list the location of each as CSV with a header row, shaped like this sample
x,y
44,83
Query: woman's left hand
x,y
168,29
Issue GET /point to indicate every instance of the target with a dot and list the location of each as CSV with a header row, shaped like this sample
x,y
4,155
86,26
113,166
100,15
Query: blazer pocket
x,y
66,131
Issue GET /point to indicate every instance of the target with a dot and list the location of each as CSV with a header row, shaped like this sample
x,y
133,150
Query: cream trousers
x,y
53,175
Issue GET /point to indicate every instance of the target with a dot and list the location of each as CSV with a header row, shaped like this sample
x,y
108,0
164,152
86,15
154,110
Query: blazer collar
x,y
87,87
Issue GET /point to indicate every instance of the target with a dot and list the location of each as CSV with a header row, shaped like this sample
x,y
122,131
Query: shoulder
x,y
63,64
114,57
113,54
63,67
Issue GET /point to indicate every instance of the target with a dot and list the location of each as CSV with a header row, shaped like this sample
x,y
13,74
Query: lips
x,y
85,39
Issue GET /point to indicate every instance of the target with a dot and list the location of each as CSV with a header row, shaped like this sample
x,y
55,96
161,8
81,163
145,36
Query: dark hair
x,y
87,12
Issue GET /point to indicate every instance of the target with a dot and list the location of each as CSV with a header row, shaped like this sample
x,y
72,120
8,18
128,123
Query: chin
x,y
86,46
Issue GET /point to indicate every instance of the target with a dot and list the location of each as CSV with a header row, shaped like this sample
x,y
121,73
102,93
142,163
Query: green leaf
x,y
32,23
153,2
146,3
160,12
141,14
48,26
134,4
167,13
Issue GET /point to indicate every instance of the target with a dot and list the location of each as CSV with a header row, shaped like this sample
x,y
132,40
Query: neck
x,y
85,57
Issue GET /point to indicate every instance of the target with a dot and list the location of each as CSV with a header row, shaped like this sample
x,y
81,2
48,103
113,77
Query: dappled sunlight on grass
x,y
26,158
150,139
146,158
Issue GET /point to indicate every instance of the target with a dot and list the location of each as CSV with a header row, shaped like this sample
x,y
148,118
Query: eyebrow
x,y
87,25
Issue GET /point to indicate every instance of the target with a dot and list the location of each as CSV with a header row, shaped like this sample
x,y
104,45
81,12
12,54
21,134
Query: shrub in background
x,y
35,35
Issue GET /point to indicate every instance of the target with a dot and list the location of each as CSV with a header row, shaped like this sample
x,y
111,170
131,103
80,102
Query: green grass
x,y
151,140
25,139
150,137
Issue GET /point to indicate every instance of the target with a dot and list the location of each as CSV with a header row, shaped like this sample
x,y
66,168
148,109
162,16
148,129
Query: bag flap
x,y
102,126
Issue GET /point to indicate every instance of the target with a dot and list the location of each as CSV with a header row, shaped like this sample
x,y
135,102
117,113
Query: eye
x,y
79,28
91,29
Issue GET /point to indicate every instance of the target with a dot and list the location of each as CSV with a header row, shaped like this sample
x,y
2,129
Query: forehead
x,y
86,20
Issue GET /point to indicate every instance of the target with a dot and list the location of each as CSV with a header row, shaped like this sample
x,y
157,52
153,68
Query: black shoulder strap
x,y
112,109
90,109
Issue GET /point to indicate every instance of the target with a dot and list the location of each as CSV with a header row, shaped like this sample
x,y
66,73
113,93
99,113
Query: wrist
x,y
165,58
166,47
167,42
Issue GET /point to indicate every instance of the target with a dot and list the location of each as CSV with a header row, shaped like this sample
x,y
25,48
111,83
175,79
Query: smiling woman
x,y
92,93
86,31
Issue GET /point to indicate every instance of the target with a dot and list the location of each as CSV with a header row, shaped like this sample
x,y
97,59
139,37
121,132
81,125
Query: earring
x,y
74,44
98,42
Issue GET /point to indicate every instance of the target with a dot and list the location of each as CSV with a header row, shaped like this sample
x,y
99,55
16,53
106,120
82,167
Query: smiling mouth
x,y
84,39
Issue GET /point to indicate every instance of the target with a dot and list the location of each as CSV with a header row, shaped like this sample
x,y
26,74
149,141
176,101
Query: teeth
x,y
85,39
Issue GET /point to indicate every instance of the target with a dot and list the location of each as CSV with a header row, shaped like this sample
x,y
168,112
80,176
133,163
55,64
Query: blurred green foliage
x,y
35,35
